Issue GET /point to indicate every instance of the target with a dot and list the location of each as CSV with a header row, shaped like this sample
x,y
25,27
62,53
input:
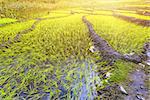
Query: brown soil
x,y
145,13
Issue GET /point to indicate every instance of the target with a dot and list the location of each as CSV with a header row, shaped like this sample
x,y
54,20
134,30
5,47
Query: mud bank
x,y
145,23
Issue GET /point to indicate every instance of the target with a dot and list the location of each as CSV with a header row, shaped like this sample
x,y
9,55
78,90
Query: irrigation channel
x,y
85,86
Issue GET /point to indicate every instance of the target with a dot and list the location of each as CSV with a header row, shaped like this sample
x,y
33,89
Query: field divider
x,y
142,22
90,13
108,53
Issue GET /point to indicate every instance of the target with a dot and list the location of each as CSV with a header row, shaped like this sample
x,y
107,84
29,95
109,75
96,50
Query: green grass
x,y
121,71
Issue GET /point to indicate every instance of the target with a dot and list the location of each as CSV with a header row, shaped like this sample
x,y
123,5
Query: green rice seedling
x,y
125,11
120,72
7,20
54,61
139,5
10,31
56,13
123,36
44,56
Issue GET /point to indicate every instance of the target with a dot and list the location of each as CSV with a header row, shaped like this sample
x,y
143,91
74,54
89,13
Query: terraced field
x,y
55,57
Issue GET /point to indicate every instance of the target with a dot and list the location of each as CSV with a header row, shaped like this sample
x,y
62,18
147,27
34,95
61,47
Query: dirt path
x,y
137,89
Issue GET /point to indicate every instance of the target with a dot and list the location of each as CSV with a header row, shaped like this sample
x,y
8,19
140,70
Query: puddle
x,y
83,86
90,78
137,91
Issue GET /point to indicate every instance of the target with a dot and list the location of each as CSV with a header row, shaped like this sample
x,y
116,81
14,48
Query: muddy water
x,y
87,90
138,90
